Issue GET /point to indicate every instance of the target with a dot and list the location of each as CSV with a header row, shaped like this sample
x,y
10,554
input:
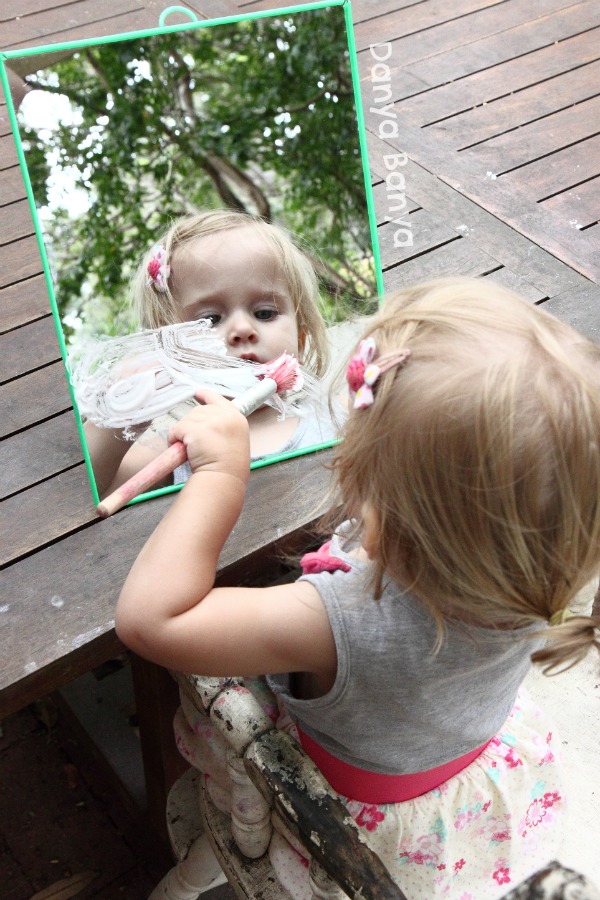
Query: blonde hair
x,y
155,308
480,460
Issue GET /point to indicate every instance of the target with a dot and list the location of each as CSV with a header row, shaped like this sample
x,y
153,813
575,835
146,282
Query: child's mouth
x,y
251,357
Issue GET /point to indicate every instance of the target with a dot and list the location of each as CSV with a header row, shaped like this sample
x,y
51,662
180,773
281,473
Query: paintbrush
x,y
283,374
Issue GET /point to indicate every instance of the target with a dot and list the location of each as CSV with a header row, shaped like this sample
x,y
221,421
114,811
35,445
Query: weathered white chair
x,y
272,778
274,781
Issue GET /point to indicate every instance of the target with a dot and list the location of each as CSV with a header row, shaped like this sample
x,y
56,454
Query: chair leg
x,y
198,872
250,813
323,887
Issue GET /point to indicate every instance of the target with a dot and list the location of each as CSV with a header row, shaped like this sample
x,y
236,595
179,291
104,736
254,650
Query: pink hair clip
x,y
158,269
362,373
322,561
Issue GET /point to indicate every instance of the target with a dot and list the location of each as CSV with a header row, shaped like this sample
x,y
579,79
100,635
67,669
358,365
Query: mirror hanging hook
x,y
171,9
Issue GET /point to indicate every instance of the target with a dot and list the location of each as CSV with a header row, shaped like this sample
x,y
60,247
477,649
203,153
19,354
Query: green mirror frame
x,y
7,57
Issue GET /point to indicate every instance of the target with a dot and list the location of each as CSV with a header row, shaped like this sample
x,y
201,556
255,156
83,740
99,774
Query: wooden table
x,y
494,108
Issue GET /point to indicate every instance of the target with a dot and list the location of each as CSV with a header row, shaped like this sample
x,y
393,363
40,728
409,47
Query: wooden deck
x,y
495,105
492,102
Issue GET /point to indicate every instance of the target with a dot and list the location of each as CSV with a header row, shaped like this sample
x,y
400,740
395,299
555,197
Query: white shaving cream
x,y
125,381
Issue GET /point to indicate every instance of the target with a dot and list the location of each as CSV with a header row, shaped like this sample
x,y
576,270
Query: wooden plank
x,y
580,249
580,207
527,106
28,348
37,677
553,174
384,198
500,80
8,151
18,89
371,9
361,9
136,20
36,396
518,284
13,186
72,22
21,8
460,257
450,255
521,146
89,19
38,453
423,233
580,309
23,302
19,260
488,232
466,58
403,82
5,132
24,530
433,52
16,9
16,222
435,17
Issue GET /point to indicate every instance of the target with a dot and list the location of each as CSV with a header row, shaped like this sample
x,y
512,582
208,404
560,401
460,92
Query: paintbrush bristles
x,y
285,372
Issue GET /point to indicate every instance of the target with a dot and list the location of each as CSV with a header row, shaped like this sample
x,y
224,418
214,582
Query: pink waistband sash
x,y
374,787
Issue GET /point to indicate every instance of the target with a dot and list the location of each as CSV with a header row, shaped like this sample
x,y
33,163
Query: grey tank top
x,y
395,707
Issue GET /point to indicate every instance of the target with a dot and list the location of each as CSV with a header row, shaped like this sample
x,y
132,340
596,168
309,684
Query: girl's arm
x,y
170,612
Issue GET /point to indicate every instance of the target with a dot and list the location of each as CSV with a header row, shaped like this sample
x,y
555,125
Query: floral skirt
x,y
474,837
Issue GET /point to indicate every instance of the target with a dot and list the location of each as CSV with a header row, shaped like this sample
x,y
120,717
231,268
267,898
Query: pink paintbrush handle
x,y
165,463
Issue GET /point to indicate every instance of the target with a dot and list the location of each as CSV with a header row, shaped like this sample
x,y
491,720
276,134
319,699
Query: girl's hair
x,y
156,308
480,459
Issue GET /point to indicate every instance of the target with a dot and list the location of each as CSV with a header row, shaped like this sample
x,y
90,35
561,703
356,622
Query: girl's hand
x,y
216,436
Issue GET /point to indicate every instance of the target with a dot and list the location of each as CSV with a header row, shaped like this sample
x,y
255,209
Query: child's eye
x,y
213,318
263,315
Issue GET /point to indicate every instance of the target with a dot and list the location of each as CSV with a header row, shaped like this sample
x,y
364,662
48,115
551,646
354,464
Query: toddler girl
x,y
261,293
469,474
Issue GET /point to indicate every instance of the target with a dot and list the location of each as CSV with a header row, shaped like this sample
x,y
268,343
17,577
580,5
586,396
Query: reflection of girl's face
x,y
234,279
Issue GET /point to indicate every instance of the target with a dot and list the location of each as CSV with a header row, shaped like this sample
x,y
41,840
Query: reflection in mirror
x,y
212,173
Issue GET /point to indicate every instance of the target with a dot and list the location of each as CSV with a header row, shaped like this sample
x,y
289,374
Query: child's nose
x,y
241,328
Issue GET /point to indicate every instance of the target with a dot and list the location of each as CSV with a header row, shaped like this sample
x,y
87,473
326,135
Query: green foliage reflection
x,y
257,116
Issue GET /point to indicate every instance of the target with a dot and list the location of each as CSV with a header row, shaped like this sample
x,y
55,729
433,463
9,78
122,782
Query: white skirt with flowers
x,y
474,837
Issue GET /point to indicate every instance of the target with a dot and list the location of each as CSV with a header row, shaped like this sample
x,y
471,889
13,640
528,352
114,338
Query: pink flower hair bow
x,y
158,269
362,373
321,560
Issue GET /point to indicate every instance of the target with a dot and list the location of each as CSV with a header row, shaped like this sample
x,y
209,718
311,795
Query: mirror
x,y
119,138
